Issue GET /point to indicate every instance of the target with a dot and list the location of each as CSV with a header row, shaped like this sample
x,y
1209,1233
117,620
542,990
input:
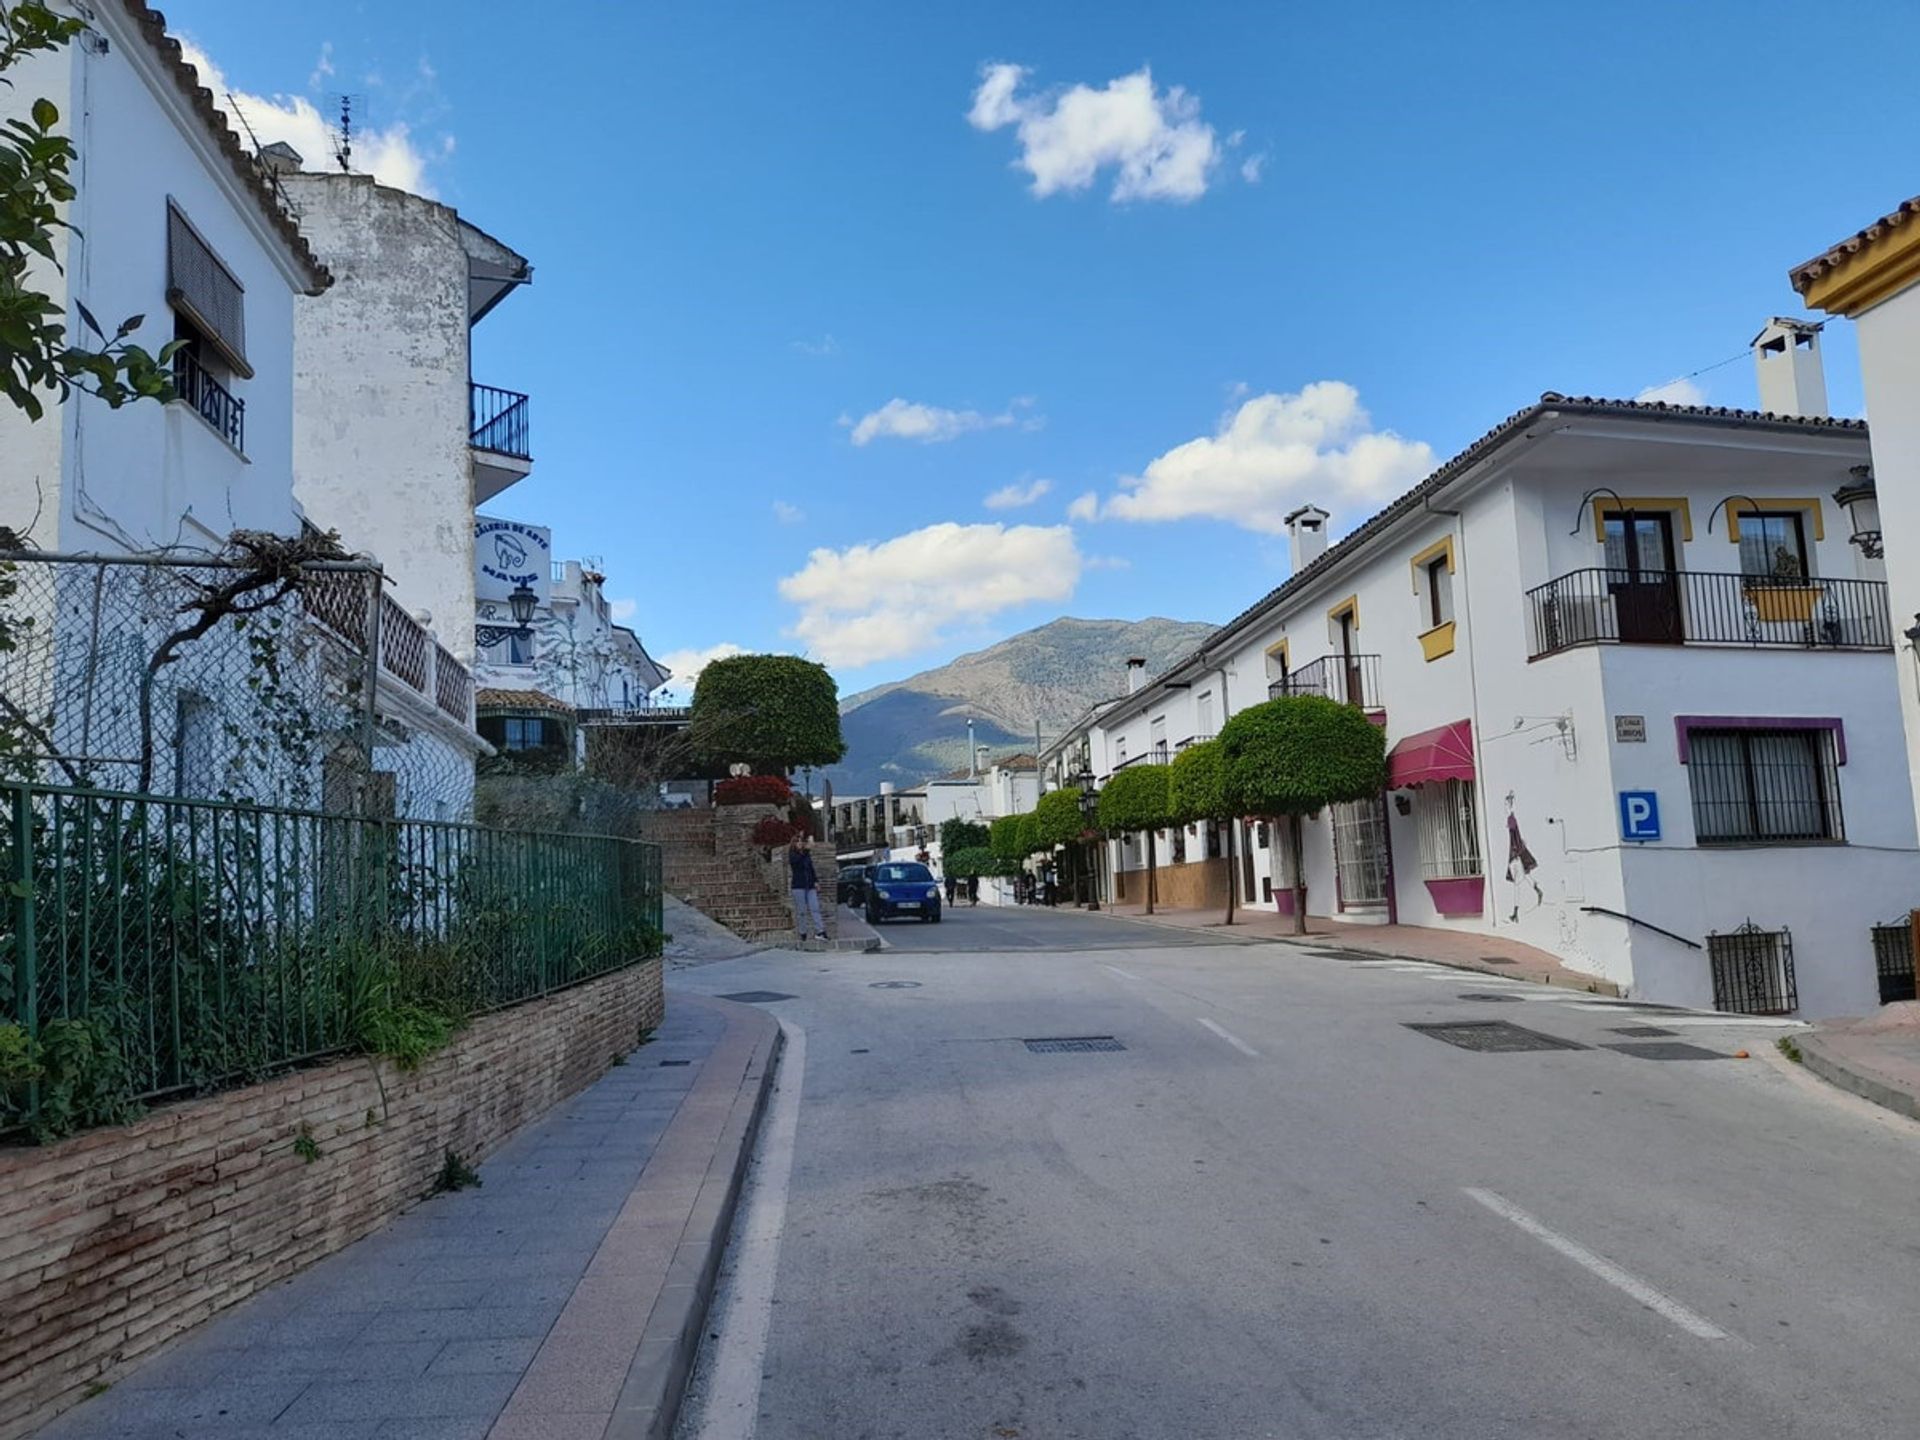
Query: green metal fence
x,y
185,944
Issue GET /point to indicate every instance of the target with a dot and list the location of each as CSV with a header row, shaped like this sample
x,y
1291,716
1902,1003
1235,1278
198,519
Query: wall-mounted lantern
x,y
1862,505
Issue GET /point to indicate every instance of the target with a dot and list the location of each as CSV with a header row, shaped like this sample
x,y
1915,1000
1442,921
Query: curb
x,y
1856,1079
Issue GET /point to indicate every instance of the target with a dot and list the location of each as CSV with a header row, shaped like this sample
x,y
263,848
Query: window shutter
x,y
202,289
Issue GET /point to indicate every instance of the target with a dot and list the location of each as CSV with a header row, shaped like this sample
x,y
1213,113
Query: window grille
x,y
1360,852
1893,960
1753,786
206,292
1753,971
1449,830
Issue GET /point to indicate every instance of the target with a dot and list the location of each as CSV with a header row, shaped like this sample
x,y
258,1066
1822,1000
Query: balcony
x,y
1692,607
211,400
498,430
1350,679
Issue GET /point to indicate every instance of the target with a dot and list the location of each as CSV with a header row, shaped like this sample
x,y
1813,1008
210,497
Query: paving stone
x,y
426,1397
485,1357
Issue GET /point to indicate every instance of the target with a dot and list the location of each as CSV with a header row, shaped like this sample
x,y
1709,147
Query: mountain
x,y
912,730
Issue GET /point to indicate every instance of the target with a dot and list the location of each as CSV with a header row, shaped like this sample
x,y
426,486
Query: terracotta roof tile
x,y
529,699
1805,274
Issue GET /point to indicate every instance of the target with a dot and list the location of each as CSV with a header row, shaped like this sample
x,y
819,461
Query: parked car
x,y
901,890
850,888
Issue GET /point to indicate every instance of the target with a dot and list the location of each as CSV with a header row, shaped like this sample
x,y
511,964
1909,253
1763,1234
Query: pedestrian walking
x,y
973,890
806,887
951,885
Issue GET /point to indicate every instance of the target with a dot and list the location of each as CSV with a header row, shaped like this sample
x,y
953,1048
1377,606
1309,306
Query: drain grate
x,y
1641,1030
1494,1037
894,985
1073,1044
756,997
1493,999
1667,1050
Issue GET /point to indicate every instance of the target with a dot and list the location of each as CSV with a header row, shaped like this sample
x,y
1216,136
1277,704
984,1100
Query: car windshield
x,y
900,873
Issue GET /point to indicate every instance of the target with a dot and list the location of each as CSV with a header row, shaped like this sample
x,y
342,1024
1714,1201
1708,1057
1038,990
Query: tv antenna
x,y
343,146
271,176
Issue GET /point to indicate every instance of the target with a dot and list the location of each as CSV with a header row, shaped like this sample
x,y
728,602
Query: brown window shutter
x,y
206,292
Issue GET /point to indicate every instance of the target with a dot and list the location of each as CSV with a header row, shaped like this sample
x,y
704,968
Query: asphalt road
x,y
967,928
1278,1211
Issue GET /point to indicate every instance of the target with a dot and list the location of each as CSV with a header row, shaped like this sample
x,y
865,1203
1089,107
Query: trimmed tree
x,y
1007,843
1292,757
773,712
1135,799
1197,794
1057,820
972,862
957,835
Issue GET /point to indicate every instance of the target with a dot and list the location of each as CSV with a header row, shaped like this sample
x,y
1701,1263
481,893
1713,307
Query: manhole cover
x,y
1641,1030
1493,1036
1497,960
1494,999
1073,1044
756,997
894,985
1667,1050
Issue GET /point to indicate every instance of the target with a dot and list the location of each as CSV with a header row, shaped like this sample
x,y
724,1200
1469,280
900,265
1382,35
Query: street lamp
x,y
1863,509
1089,812
520,605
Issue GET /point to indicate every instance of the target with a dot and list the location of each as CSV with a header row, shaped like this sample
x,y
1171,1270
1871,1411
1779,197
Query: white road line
x,y
1661,1304
1123,974
733,1396
1230,1038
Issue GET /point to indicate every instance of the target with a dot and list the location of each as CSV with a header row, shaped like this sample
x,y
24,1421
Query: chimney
x,y
1307,532
1786,361
281,158
1136,673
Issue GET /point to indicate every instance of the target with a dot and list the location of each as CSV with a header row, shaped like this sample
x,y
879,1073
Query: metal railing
x,y
214,403
497,420
1190,741
1893,960
452,685
1697,607
1753,971
194,944
1350,679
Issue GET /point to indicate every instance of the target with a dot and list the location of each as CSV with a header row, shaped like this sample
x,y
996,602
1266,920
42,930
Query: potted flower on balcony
x,y
1782,597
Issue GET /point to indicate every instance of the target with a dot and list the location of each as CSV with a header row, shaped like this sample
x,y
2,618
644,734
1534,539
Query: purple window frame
x,y
1684,724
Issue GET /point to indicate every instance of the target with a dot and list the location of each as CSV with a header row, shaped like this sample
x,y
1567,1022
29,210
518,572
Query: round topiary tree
x,y
957,835
1197,794
773,712
1057,821
1007,842
1135,799
1293,757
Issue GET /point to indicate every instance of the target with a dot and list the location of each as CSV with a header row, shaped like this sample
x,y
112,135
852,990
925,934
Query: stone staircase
x,y
708,862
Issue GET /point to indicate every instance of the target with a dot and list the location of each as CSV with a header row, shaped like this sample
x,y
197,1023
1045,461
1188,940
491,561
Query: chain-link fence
x,y
297,684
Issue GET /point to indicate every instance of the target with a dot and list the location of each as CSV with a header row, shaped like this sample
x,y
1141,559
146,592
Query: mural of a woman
x,y
1520,865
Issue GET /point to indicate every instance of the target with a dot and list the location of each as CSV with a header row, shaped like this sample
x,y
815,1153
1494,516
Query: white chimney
x,y
1786,361
1307,532
1136,673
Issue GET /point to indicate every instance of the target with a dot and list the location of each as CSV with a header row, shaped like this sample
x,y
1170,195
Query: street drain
x,y
1641,1030
1493,999
756,997
894,985
1667,1050
1073,1044
1493,1037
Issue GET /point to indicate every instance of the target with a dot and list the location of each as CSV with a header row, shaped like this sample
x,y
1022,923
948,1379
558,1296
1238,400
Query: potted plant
x,y
1782,597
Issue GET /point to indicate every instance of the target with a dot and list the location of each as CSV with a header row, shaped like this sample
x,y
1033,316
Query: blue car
x,y
901,890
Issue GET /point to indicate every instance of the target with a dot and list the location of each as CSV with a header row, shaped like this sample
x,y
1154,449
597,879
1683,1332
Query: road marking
x,y
733,1396
1123,974
1660,1303
1230,1038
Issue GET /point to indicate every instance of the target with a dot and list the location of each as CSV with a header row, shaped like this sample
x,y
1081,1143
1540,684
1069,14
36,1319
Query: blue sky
x,y
1316,251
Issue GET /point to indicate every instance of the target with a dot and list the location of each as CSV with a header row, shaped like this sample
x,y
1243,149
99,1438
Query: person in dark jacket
x,y
806,887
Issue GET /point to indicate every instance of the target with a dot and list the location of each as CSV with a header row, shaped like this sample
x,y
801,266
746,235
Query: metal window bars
x,y
211,400
1760,786
497,420
1893,961
1752,971
1693,607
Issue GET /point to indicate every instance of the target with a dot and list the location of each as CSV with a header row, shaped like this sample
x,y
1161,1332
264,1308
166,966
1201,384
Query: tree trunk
x,y
1299,875
1232,879
1150,835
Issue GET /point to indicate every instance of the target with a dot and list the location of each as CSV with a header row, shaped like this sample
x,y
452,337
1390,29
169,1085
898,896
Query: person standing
x,y
806,887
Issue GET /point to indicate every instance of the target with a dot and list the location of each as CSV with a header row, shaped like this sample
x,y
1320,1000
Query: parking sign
x,y
1639,815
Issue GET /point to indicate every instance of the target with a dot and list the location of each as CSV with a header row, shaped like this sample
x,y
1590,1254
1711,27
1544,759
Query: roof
x,y
1550,403
529,699
251,173
1807,275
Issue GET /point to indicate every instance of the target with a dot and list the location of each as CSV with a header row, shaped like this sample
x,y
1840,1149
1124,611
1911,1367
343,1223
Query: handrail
x,y
1607,606
497,420
1643,924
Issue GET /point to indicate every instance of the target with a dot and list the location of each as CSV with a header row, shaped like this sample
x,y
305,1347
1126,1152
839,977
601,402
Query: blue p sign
x,y
1639,815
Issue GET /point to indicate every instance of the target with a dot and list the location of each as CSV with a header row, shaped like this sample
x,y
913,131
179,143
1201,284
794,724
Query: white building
x,y
900,824
1636,692
385,386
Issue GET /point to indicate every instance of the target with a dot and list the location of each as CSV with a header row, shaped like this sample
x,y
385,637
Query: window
x,y
1754,786
1158,739
1439,588
196,745
1203,725
1119,751
1449,830
1753,971
1773,543
1179,846
206,294
511,649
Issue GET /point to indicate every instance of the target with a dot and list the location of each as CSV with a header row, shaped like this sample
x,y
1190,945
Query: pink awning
x,y
1444,753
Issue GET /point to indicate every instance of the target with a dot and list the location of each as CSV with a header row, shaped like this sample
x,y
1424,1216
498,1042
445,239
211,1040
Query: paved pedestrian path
x,y
1876,1057
514,1310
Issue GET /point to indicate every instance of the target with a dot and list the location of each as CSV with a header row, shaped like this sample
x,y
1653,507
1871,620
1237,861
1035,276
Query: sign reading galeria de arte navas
x,y
507,555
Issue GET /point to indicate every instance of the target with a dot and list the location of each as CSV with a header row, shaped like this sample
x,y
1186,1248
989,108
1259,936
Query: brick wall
x,y
113,1242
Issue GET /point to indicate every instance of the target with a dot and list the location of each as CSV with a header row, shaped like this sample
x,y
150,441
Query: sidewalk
x,y
1460,949
1877,1058
561,1300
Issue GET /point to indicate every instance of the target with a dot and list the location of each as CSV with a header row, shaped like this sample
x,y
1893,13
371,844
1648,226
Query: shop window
x,y
1449,830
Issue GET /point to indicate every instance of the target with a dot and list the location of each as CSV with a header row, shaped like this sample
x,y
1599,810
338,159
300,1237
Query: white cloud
x,y
819,349
1674,392
881,601
686,665
1085,507
1108,562
788,514
1273,453
322,67
930,424
1251,167
623,610
1012,497
1154,141
389,155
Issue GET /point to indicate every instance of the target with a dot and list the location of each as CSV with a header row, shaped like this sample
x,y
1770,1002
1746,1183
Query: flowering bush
x,y
771,831
753,790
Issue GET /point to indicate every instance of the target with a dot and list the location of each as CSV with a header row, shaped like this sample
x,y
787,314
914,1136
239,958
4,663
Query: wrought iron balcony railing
x,y
216,405
498,420
1350,679
1696,607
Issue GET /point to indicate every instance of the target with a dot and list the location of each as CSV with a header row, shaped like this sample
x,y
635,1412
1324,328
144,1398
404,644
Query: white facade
x,y
384,362
577,652
1559,663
